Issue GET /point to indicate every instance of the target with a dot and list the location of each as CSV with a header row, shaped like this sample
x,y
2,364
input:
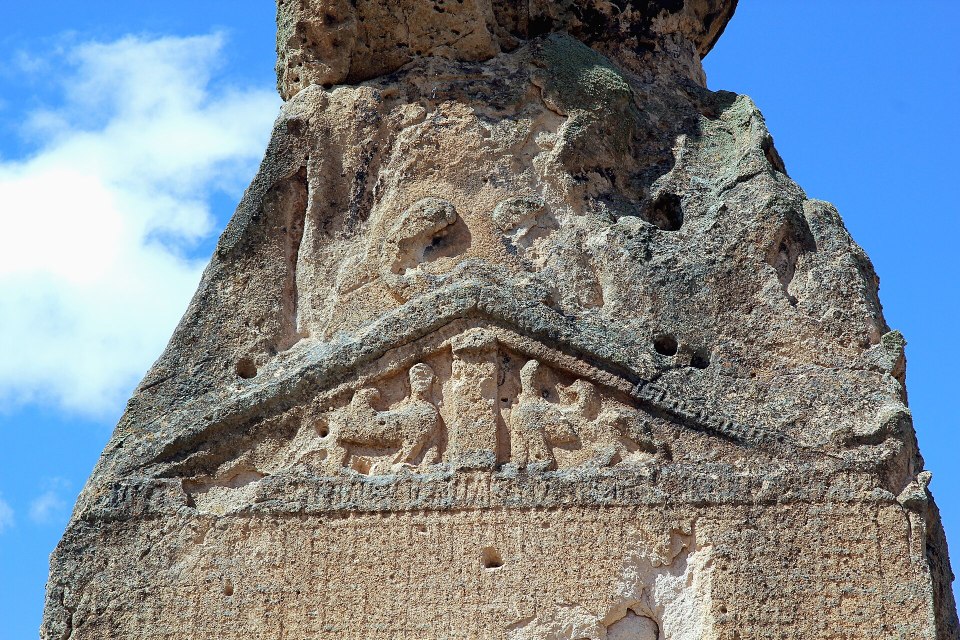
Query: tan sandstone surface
x,y
520,332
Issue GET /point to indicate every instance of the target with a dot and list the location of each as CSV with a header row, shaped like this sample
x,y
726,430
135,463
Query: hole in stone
x,y
666,345
539,26
421,528
295,127
667,212
246,368
323,429
490,558
228,588
701,359
450,241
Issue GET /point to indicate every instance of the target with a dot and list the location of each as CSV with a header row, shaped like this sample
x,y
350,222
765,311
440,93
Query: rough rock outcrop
x,y
520,332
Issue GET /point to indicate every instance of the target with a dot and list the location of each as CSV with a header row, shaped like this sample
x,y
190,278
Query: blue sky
x,y
129,130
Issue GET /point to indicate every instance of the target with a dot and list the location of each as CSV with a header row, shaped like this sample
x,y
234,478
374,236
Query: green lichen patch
x,y
578,82
575,77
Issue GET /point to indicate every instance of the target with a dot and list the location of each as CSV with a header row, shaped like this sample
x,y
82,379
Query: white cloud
x,y
6,515
96,226
50,506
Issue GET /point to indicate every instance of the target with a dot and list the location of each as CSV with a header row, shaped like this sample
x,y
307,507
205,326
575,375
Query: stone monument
x,y
520,332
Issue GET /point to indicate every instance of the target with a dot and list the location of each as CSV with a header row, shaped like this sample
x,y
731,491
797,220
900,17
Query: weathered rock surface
x,y
520,332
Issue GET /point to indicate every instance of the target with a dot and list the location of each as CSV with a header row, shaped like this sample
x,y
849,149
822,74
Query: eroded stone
x,y
519,332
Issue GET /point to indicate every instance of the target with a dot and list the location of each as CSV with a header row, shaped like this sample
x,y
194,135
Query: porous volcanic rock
x,y
520,332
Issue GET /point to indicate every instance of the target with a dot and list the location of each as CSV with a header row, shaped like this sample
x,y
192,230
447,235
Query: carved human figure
x,y
547,416
538,424
409,427
616,435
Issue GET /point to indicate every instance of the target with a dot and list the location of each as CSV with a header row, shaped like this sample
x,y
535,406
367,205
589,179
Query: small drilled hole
x,y
228,588
700,360
323,429
246,368
490,558
666,345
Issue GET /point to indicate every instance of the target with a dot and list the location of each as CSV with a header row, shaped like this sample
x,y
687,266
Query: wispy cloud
x,y
51,505
98,224
6,515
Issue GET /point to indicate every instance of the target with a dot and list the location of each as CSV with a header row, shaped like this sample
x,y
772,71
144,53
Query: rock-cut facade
x,y
520,332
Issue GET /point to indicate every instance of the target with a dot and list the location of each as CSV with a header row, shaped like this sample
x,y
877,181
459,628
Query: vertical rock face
x,y
520,332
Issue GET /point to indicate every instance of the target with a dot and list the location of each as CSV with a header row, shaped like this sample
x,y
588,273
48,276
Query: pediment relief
x,y
474,396
480,401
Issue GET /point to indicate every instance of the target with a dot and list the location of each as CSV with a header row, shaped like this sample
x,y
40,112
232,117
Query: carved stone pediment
x,y
479,400
474,396
473,339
